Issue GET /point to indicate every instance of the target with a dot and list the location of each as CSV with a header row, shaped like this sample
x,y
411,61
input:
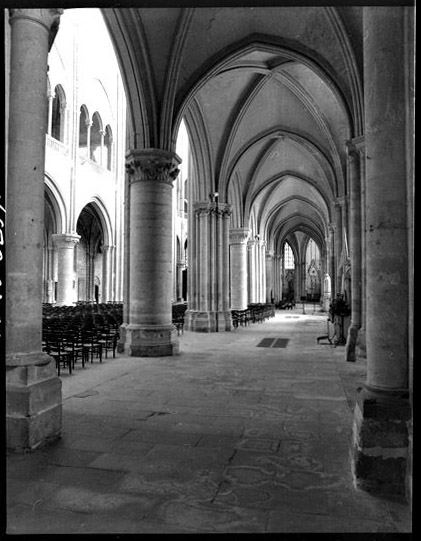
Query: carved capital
x,y
48,18
270,254
212,209
152,165
67,240
239,235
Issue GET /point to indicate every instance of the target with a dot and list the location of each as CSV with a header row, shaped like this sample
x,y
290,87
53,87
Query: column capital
x,y
239,235
202,208
66,240
342,200
152,164
46,17
356,146
270,254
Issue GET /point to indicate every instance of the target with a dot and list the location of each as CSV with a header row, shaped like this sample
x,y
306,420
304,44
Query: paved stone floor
x,y
226,437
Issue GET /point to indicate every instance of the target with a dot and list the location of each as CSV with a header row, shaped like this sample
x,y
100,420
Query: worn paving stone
x,y
85,500
287,522
72,457
214,440
213,518
87,443
43,521
160,437
198,455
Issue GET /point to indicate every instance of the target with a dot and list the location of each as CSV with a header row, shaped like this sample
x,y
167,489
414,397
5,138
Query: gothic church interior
x,y
234,157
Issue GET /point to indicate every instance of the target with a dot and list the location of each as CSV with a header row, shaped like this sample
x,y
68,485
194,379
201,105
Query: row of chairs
x,y
254,313
69,346
86,331
82,333
178,313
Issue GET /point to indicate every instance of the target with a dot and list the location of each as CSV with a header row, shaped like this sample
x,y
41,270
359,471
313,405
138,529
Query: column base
x,y
351,342
122,340
33,403
208,321
381,444
360,346
151,341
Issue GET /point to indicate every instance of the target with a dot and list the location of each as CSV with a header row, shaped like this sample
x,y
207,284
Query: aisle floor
x,y
226,437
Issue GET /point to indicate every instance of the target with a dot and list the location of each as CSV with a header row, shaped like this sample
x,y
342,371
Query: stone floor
x,y
226,437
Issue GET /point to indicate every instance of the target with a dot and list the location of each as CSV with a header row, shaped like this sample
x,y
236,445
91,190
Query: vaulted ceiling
x,y
270,96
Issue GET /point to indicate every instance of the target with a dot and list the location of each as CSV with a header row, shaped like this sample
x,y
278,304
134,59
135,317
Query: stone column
x,y
262,271
332,257
50,275
251,265
238,268
382,412
126,266
270,286
101,151
50,112
303,278
88,138
66,273
355,250
106,273
279,277
179,279
338,237
33,390
150,332
209,309
361,337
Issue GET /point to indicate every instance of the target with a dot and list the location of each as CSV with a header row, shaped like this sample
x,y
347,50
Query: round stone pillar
x,y
66,272
33,390
270,286
252,270
106,272
238,267
338,236
382,413
150,332
355,250
361,338
261,297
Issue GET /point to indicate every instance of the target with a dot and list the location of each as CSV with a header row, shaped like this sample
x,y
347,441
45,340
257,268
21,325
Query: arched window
x,y
108,147
96,143
84,129
288,257
58,114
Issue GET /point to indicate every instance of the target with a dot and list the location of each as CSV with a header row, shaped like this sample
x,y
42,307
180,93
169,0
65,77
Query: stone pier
x,y
33,389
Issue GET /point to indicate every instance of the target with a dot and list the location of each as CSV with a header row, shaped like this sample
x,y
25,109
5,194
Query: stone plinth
x,y
154,342
380,442
33,407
